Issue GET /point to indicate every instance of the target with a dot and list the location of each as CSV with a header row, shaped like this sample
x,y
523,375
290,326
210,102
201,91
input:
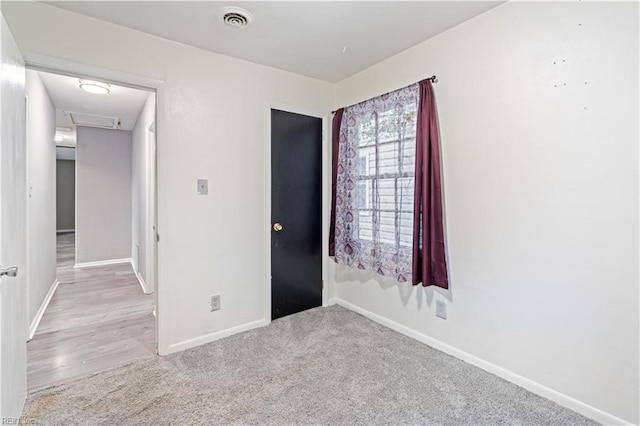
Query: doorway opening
x,y
97,224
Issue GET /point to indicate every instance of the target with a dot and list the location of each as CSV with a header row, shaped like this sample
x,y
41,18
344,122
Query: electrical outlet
x,y
441,309
215,302
203,187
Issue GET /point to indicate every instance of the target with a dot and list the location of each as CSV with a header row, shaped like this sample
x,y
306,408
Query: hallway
x,y
98,319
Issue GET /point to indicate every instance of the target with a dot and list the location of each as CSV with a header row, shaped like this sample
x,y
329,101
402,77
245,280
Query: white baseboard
x,y
61,231
333,301
103,263
43,307
143,284
208,338
537,388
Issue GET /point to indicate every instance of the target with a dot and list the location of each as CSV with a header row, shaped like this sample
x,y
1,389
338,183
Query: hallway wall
x,y
41,182
141,142
103,195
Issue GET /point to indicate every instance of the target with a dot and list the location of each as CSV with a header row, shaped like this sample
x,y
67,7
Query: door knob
x,y
10,272
277,227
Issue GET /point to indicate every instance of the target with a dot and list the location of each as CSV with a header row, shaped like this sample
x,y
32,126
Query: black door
x,y
296,213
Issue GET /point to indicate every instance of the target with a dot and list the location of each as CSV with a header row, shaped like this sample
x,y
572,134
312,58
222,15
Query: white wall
x,y
65,195
103,195
211,125
41,198
541,194
140,192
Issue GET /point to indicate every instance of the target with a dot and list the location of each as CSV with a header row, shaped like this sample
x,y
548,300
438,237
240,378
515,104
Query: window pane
x,y
362,195
365,227
386,141
366,136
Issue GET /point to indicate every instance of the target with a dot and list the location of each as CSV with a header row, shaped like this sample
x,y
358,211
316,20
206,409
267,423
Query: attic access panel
x,y
93,120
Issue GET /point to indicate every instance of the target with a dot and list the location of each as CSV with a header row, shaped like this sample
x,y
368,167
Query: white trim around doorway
x,y
51,64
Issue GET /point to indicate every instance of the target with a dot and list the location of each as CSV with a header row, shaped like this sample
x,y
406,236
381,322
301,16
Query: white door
x,y
13,209
150,232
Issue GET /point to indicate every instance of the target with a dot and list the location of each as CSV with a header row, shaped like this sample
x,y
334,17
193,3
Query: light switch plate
x,y
203,187
441,309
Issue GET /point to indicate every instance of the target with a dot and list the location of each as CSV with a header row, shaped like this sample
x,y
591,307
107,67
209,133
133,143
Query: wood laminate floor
x,y
98,318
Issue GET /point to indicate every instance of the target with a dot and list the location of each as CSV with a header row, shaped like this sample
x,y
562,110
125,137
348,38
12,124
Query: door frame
x,y
55,65
151,204
326,199
27,264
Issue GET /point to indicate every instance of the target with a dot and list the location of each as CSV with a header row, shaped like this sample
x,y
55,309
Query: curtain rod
x,y
432,78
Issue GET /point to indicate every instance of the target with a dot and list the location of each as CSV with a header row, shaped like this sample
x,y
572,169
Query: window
x,y
374,218
386,175
380,163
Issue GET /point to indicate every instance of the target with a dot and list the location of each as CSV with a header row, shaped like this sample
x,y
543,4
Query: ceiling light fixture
x,y
58,138
236,17
95,87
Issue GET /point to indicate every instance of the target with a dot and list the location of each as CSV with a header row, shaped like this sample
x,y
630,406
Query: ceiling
x,y
122,103
305,37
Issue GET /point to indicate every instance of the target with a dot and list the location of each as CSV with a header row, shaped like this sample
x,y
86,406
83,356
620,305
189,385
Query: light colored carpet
x,y
323,366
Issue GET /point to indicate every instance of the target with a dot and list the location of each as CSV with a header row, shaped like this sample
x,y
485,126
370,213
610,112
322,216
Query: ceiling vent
x,y
92,120
236,17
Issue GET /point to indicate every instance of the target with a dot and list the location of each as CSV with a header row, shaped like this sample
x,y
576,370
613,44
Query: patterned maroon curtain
x,y
429,261
335,138
374,185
